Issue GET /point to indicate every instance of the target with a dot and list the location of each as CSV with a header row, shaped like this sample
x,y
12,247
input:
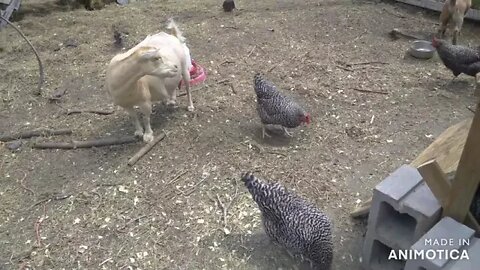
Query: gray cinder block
x,y
403,210
473,263
443,246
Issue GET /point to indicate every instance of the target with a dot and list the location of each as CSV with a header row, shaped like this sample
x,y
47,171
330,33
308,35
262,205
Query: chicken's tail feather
x,y
263,88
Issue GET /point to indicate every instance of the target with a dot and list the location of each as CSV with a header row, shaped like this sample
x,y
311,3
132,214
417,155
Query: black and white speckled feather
x,y
459,59
276,109
293,222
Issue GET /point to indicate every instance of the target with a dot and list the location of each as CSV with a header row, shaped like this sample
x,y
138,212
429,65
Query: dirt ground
x,y
85,209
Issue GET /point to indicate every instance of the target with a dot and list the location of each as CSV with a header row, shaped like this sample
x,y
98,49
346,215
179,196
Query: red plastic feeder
x,y
197,74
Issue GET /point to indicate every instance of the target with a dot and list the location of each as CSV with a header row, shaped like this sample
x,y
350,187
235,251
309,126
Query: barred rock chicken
x,y
459,59
275,108
292,222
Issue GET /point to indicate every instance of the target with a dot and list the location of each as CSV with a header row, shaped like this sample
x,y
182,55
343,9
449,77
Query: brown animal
x,y
453,10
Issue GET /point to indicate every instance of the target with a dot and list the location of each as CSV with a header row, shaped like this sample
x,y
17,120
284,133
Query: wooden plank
x,y
472,14
446,150
467,177
438,183
447,147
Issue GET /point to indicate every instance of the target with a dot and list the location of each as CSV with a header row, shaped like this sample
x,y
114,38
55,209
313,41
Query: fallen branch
x,y
470,109
25,187
226,62
100,112
344,68
251,51
223,81
145,149
174,179
370,91
85,144
35,133
232,88
367,63
231,27
396,34
40,65
272,68
225,208
37,225
55,197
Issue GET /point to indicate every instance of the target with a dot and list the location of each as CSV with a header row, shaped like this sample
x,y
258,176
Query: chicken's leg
x,y
286,132
264,132
450,82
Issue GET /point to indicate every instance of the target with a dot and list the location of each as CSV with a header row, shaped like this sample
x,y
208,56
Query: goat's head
x,y
153,62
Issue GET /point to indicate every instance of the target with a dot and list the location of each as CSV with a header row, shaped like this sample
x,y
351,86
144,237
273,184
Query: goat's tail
x,y
172,26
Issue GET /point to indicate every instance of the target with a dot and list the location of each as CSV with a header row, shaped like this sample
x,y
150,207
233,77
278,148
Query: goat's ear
x,y
149,54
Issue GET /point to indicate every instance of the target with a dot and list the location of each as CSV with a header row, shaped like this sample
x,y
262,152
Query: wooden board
x,y
467,177
446,150
439,185
472,14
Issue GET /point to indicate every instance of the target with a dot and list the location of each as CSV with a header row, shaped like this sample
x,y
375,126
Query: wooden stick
x,y
100,112
367,63
225,62
396,34
344,68
223,81
370,91
251,51
467,177
85,144
145,149
40,65
25,187
35,133
437,182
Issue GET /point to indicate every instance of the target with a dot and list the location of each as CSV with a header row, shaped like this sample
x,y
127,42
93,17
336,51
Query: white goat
x,y
151,71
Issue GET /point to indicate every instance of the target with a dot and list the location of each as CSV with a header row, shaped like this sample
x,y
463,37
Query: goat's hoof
x,y
138,133
191,108
172,106
172,103
147,137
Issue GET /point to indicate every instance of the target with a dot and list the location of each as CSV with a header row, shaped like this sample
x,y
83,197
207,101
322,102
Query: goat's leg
x,y
444,18
458,22
136,122
172,99
146,109
186,80
454,39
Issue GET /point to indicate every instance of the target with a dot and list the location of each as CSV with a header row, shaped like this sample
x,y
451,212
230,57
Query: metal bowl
x,y
422,49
